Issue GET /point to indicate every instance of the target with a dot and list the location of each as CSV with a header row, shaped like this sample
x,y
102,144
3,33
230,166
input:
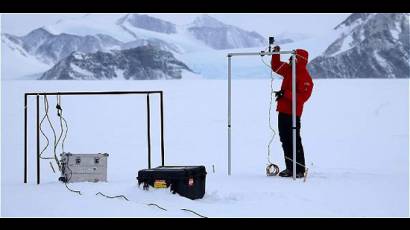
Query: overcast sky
x,y
265,24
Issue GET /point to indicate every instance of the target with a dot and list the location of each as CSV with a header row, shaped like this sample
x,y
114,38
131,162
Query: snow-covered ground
x,y
355,134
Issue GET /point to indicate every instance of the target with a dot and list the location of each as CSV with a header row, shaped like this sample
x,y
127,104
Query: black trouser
x,y
285,134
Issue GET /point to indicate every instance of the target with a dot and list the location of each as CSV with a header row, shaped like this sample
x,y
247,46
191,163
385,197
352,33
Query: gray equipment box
x,y
83,167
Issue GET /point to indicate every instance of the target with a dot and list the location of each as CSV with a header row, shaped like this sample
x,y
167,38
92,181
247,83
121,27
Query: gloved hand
x,y
276,49
279,94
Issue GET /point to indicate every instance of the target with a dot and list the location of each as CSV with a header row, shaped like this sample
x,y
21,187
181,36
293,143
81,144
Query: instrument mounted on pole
x,y
271,168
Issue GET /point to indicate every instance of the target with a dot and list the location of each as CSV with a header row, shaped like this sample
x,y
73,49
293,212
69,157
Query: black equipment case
x,y
187,181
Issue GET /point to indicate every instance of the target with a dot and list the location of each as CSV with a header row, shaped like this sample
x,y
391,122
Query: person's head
x,y
301,57
290,60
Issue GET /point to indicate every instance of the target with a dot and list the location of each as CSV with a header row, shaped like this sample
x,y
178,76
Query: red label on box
x,y
191,181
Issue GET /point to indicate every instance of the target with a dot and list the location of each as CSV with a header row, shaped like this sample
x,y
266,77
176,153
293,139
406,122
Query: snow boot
x,y
285,173
288,173
300,175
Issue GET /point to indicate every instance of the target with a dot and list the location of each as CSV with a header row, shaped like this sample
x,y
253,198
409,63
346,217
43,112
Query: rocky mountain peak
x,y
148,23
140,63
205,20
373,46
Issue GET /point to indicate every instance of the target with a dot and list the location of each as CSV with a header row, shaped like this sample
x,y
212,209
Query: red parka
x,y
304,83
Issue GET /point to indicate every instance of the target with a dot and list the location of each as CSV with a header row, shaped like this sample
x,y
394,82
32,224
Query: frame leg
x,y
162,129
229,116
38,139
25,138
294,114
149,131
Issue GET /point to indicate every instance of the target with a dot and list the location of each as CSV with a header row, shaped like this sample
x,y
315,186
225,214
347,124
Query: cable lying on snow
x,y
150,204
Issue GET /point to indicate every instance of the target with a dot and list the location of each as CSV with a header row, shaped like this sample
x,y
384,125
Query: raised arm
x,y
278,66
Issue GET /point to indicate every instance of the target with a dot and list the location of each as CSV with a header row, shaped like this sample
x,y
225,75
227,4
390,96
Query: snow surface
x,y
347,44
344,29
120,74
355,134
396,31
92,24
384,64
17,63
79,70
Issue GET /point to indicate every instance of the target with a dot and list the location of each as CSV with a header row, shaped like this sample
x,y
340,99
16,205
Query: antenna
x,y
271,41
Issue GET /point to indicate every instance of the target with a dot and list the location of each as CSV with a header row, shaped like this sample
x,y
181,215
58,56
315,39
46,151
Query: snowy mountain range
x,y
369,46
141,63
50,48
54,44
221,36
148,23
362,46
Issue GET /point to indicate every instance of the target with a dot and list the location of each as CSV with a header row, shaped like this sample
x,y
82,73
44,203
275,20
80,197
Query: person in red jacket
x,y
304,86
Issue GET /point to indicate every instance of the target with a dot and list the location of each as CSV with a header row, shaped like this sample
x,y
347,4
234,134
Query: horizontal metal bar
x,y
260,53
94,93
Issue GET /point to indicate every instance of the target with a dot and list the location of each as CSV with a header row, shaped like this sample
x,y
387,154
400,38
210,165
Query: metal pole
x,y
95,93
259,53
149,132
293,53
162,128
25,138
294,112
229,114
38,139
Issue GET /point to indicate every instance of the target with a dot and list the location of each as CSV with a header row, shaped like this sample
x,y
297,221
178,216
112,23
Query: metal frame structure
x,y
26,95
293,53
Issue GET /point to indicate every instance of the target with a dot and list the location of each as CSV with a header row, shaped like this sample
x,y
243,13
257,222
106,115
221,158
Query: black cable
x,y
71,190
150,204
66,131
153,204
68,179
112,197
41,130
46,109
125,198
184,209
59,114
54,134
62,119
51,165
